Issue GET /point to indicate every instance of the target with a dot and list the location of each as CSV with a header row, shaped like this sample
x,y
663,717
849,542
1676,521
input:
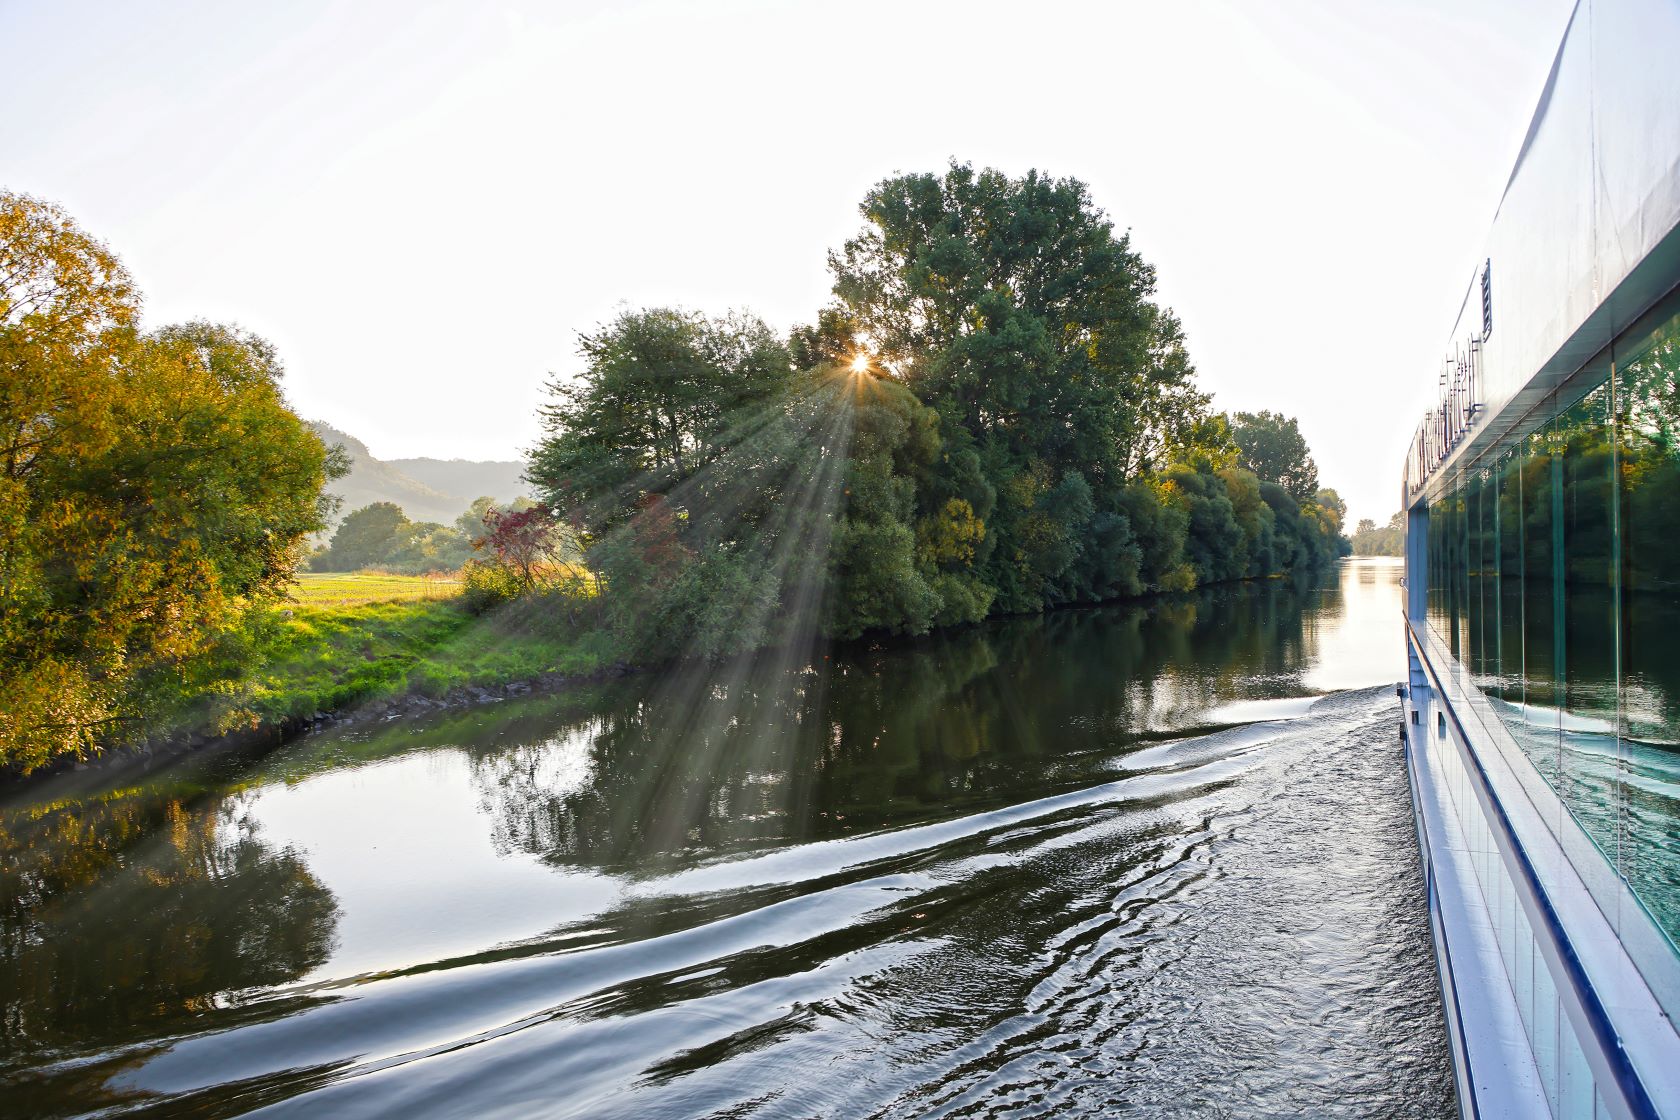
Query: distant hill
x,y
426,489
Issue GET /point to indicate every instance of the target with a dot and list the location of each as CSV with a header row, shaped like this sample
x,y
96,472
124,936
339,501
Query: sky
x,y
422,204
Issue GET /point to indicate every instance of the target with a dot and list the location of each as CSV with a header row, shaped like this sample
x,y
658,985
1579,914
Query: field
x,y
350,589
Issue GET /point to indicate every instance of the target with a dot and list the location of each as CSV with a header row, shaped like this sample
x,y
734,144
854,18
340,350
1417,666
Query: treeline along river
x,y
1152,858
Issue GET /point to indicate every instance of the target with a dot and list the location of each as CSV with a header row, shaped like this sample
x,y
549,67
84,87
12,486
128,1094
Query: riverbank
x,y
960,855
289,669
309,666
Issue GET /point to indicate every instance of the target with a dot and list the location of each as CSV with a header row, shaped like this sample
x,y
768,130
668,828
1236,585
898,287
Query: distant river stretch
x,y
1153,859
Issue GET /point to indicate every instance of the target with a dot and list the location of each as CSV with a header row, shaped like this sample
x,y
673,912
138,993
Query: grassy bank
x,y
331,658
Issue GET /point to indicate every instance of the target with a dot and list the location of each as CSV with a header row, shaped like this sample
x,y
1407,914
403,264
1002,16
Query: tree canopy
x,y
663,394
1014,309
1388,540
153,485
1273,448
992,416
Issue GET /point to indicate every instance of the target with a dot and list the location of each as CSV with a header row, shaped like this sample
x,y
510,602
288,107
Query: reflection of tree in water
x,y
720,757
119,916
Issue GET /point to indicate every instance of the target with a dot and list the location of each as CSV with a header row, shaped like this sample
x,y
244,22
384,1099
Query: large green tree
x,y
663,393
366,537
1014,309
151,486
1273,448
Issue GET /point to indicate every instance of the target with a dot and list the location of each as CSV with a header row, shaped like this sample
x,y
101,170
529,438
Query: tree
x,y
1335,510
1389,540
1012,308
426,546
471,523
1275,451
527,543
663,394
1207,445
366,538
151,486
880,580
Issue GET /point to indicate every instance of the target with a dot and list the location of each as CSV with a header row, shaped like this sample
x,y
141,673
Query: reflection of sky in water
x,y
1363,642
404,846
1253,711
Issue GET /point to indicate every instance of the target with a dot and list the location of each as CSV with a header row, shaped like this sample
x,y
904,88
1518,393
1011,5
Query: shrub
x,y
485,586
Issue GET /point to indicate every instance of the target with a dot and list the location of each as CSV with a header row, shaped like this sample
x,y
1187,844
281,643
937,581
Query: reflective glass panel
x,y
1585,604
1648,452
1534,723
1508,548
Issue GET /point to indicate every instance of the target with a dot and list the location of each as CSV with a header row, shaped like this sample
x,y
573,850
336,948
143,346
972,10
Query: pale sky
x,y
421,204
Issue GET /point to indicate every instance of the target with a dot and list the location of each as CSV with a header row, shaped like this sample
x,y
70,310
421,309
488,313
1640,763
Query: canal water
x,y
1152,859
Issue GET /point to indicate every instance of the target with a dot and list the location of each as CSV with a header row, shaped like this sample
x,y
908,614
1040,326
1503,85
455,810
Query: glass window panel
x,y
1471,625
1575,1079
1479,519
1534,723
1585,639
1544,1034
1459,570
1647,385
1508,528
1436,524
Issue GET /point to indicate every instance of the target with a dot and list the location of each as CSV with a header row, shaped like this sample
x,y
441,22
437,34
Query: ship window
x,y
1487,299
1648,519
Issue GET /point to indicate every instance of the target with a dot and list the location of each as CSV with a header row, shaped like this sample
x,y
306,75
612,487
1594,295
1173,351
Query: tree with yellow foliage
x,y
152,488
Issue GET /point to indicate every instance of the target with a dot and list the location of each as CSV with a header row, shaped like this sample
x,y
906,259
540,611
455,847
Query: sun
x,y
860,362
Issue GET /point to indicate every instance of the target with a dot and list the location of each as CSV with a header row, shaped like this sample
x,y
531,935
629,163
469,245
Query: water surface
x,y
1153,858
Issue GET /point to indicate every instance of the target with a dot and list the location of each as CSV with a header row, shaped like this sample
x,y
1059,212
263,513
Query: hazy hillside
x,y
466,476
426,489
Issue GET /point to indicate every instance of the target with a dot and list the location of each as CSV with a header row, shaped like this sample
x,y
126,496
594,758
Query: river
x,y
1152,859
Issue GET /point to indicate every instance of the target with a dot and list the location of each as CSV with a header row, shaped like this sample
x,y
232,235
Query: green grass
x,y
346,589
332,658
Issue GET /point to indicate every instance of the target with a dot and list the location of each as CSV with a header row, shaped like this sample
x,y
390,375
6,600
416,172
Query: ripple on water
x,y
1243,944
1085,907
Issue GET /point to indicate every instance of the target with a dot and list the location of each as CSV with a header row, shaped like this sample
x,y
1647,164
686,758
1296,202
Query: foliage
x,y
472,525
880,582
1275,451
426,546
486,585
364,538
994,416
1013,310
734,556
529,543
663,394
1390,540
150,487
380,536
